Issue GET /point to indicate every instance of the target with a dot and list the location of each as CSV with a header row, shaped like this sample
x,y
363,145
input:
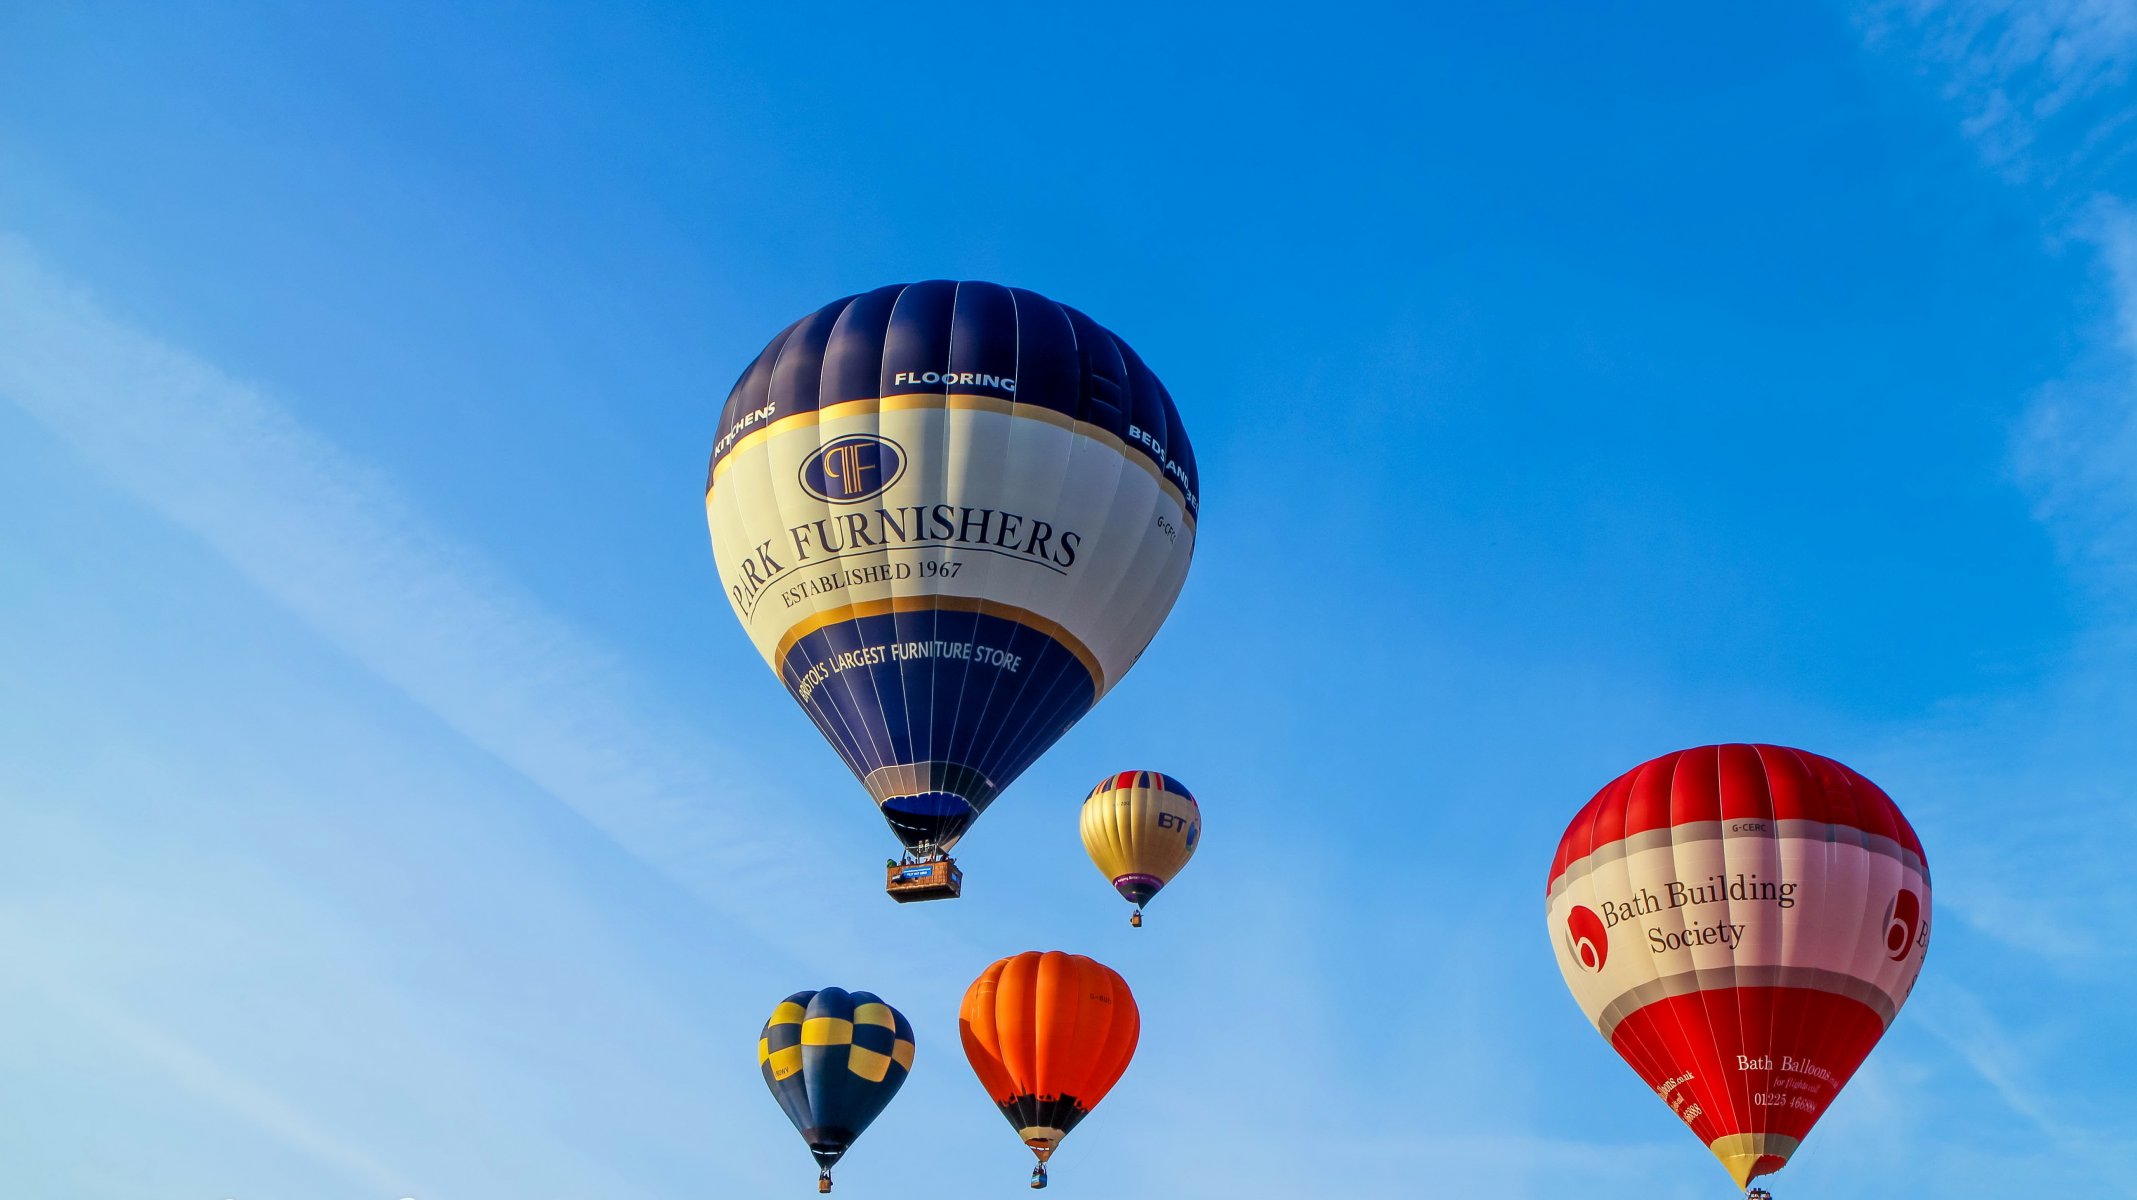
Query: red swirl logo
x,y
1587,939
1903,917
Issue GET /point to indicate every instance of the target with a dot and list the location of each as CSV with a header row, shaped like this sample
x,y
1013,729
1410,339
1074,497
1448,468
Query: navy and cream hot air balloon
x,y
950,516
833,1060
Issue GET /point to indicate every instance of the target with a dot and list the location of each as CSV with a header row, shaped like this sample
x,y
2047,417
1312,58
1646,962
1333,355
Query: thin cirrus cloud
x,y
272,1112
333,542
2033,88
1963,1022
2039,91
2078,451
2037,84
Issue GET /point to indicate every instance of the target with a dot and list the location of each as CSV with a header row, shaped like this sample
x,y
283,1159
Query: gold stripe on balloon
x,y
992,608
956,402
1740,1152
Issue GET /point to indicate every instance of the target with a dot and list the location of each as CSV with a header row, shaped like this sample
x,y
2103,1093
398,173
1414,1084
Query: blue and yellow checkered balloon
x,y
833,1060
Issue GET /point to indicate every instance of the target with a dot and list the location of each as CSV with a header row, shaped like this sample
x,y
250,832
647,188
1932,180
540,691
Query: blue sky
x,y
392,807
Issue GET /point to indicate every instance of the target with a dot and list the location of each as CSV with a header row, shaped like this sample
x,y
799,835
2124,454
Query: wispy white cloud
x,y
200,1076
2037,83
2078,449
1965,1025
333,541
2025,77
2041,89
2056,883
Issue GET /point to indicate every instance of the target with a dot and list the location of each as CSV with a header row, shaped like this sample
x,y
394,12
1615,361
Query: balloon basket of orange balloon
x,y
932,879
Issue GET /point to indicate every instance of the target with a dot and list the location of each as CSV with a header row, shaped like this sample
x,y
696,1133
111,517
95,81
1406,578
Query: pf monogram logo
x,y
849,465
853,468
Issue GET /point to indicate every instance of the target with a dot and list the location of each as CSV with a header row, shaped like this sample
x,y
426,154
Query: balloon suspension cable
x,y
1038,1176
823,1180
1135,919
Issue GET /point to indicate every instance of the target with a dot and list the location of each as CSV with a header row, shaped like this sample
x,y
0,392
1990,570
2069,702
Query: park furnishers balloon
x,y
1140,828
950,516
1048,1035
833,1060
1741,923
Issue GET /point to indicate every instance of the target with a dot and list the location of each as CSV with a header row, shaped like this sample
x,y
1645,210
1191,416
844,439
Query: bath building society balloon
x,y
1741,923
950,516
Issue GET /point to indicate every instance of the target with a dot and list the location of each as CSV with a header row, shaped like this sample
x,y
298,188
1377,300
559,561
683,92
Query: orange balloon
x,y
1048,1035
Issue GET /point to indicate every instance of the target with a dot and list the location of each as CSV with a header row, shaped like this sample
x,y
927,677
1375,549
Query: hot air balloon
x,y
1741,923
1140,828
1048,1035
950,516
833,1059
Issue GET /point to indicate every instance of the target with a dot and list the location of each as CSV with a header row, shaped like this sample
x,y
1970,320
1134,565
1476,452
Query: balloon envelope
x,y
950,516
1741,923
1140,828
833,1059
1048,1034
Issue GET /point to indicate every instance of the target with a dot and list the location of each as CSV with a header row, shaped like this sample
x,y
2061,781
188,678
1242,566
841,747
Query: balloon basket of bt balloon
x,y
934,878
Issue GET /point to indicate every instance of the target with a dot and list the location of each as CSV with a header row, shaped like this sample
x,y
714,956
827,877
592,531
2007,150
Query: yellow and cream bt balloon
x,y
1140,828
